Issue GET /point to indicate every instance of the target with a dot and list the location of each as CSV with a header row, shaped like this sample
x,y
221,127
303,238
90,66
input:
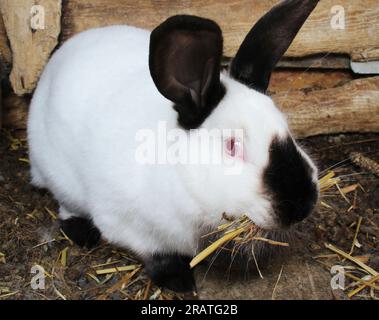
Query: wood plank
x,y
294,79
5,51
31,48
316,61
353,107
359,39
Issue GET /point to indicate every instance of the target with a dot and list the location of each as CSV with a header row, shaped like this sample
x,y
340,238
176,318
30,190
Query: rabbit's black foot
x,y
81,231
171,271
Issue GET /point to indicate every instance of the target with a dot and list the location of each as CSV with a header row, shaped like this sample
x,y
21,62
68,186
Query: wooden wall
x,y
359,39
26,50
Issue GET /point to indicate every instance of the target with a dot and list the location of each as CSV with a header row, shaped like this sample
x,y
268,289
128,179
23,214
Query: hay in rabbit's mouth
x,y
243,231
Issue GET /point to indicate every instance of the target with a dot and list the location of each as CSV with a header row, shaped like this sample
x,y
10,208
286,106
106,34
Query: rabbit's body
x,y
105,87
83,145
83,150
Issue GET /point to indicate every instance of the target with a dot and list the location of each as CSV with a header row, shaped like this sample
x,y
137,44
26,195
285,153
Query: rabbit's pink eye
x,y
233,147
230,144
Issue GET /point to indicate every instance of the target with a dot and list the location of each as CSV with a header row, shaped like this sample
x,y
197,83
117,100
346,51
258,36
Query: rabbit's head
x,y
262,171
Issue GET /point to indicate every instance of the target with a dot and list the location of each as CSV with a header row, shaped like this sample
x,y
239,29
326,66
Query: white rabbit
x,y
105,87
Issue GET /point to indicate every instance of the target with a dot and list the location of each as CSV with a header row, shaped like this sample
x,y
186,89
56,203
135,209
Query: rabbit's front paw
x,y
81,231
171,271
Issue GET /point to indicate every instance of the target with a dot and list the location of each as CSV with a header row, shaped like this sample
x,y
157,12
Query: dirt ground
x,y
29,236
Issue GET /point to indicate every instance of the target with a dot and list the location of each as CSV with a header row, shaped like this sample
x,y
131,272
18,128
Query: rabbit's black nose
x,y
289,182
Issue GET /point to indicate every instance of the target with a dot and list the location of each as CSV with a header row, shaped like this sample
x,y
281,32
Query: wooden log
x,y
5,51
321,33
353,107
317,61
15,112
33,34
294,79
32,48
1,95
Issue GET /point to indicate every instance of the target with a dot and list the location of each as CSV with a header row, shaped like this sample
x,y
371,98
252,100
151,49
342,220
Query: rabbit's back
x,y
96,73
95,86
94,96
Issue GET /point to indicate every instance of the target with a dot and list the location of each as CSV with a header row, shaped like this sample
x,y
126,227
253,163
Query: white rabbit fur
x,y
93,96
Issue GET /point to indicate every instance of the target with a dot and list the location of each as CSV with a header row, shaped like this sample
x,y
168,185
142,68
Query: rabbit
x,y
105,86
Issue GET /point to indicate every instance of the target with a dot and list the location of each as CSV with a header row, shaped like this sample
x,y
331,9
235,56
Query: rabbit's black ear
x,y
185,60
267,41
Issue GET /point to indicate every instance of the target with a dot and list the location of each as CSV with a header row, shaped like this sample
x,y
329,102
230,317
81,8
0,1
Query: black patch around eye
x,y
288,181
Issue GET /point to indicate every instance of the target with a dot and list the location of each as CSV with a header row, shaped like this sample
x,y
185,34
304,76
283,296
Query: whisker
x,y
354,174
233,256
334,166
350,143
216,254
345,161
